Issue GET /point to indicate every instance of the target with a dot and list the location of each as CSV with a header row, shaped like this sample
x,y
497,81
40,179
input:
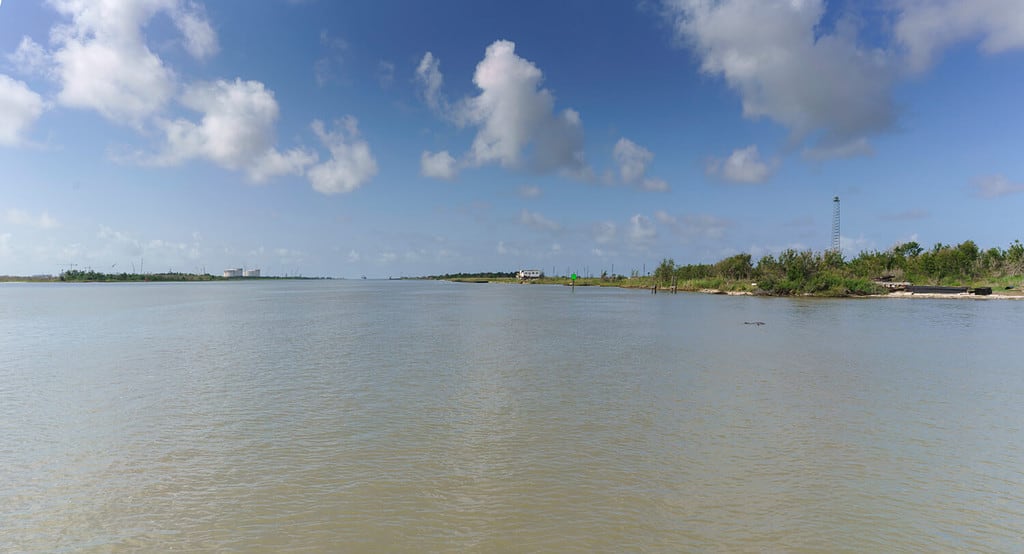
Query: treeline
x,y
76,275
828,274
492,275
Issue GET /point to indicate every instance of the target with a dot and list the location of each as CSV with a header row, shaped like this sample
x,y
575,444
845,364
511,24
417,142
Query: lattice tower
x,y
835,224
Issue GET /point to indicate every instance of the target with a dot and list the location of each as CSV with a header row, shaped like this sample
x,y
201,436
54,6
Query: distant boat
x,y
364,277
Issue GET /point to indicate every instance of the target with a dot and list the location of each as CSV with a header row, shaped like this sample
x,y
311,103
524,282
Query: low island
x,y
896,272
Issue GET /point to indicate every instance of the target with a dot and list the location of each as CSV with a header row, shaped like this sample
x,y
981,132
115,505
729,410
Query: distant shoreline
x,y
154,278
1014,294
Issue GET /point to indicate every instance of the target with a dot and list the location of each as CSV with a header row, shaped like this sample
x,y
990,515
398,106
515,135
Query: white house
x,y
530,274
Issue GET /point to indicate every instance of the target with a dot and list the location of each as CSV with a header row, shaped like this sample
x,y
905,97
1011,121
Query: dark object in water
x,y
927,289
982,291
758,323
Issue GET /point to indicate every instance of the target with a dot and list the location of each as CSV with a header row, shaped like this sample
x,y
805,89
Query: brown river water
x,y
376,416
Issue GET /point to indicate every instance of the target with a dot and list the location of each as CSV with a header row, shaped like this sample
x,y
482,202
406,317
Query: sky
x,y
405,138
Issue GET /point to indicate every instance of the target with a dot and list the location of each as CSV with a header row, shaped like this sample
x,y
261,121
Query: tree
x,y
735,267
907,249
665,271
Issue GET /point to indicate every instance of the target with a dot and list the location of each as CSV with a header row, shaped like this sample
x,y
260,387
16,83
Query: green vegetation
x,y
76,275
827,274
473,276
795,272
90,276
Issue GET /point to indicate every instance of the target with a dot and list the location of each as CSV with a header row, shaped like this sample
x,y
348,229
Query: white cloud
x,y
274,163
102,62
30,58
439,166
633,160
925,27
21,217
428,73
353,256
743,166
530,191
200,38
515,119
788,66
351,164
641,230
19,109
994,186
537,221
328,65
236,131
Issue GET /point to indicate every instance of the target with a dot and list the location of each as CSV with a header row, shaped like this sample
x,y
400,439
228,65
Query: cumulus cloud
x,y
20,107
633,160
351,164
512,112
742,166
102,61
995,186
21,217
787,66
537,221
925,27
517,126
439,166
236,131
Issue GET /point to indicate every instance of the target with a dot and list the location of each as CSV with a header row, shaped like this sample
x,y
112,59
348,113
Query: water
x,y
438,417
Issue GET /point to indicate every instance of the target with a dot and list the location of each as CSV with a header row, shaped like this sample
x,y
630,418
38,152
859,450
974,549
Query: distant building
x,y
530,274
237,272
251,273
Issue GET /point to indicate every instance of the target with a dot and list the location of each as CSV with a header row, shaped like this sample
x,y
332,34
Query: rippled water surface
x,y
438,417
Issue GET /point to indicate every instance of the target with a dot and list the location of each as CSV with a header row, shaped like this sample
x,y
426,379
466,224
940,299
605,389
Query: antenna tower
x,y
835,224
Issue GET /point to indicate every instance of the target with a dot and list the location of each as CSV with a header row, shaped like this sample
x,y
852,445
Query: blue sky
x,y
395,138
